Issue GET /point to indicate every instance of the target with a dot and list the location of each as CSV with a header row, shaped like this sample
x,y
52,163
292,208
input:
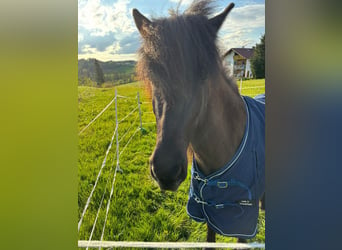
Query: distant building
x,y
238,61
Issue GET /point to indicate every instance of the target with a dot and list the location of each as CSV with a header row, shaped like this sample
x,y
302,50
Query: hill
x,y
114,72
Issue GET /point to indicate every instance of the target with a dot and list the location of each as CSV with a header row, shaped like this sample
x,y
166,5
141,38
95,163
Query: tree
x,y
99,77
258,59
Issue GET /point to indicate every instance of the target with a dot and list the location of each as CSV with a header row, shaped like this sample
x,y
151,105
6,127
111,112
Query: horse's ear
x,y
218,20
141,22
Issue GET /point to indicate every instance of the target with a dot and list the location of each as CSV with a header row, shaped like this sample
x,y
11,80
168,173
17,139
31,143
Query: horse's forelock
x,y
180,48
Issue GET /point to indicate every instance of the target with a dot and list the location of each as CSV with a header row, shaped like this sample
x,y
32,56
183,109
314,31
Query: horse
x,y
198,106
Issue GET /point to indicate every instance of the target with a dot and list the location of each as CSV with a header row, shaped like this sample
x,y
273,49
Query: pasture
x,y
138,211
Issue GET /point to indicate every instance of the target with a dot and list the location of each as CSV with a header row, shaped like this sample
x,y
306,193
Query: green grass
x,y
138,210
253,87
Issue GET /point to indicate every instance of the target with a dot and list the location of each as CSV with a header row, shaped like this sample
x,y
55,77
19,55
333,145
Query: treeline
x,y
258,59
92,72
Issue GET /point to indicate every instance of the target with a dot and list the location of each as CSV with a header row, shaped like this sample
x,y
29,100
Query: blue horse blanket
x,y
228,199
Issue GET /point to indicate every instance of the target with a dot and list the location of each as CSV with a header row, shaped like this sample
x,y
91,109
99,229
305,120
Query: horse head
x,y
177,57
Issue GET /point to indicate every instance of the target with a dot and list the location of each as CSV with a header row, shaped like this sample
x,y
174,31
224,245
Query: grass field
x,y
138,210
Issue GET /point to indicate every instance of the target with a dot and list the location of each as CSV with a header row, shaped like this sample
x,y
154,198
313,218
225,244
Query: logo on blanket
x,y
228,200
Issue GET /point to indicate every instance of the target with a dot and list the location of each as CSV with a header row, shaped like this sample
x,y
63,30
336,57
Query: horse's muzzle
x,y
169,183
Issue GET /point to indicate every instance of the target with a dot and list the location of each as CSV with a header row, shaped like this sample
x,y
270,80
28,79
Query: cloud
x,y
124,49
110,54
184,2
98,46
101,20
246,17
243,26
80,37
107,30
104,29
237,41
100,43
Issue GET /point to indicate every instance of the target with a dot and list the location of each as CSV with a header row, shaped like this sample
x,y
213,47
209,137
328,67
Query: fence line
x,y
128,129
126,97
129,141
108,204
129,114
138,97
97,215
97,178
117,134
98,211
116,168
254,87
104,163
143,244
99,114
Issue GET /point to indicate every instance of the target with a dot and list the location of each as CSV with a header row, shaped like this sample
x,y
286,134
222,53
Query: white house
x,y
238,62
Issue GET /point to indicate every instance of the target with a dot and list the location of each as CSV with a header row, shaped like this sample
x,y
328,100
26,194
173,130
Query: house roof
x,y
245,52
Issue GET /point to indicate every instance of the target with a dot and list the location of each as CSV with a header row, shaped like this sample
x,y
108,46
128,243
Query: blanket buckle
x,y
200,179
222,184
198,200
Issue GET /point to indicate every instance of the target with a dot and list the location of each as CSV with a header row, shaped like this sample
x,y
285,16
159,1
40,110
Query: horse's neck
x,y
220,129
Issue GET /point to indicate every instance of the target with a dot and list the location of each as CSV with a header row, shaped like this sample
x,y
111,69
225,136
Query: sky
x,y
106,30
